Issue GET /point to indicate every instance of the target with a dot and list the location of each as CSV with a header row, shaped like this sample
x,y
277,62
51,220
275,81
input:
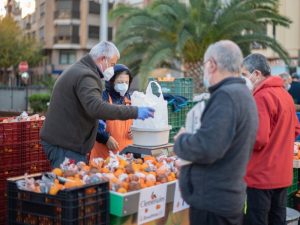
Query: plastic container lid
x,y
151,129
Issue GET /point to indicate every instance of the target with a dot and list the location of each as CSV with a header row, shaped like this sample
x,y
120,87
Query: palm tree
x,y
168,31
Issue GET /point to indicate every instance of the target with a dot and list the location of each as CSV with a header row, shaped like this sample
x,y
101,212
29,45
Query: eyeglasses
x,y
211,59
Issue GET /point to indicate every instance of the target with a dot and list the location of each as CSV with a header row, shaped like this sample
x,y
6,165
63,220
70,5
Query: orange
x,y
118,172
122,190
53,190
57,172
125,185
104,170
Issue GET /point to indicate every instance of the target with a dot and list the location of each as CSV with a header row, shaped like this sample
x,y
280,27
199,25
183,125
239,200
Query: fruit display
x,y
70,175
22,118
124,173
297,150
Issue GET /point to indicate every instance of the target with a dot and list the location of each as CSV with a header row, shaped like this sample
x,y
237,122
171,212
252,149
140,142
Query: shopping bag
x,y
193,117
160,120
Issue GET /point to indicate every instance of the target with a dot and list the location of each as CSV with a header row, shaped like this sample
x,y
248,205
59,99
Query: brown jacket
x,y
76,105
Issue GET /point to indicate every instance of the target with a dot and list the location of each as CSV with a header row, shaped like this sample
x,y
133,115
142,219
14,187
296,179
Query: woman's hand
x,y
130,135
112,144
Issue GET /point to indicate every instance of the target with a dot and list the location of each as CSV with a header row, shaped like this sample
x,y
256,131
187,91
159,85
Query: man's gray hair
x,y
258,62
104,48
227,54
285,76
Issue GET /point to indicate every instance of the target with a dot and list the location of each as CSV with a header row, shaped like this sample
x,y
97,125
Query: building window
x,y
94,32
94,7
42,33
42,9
67,34
67,9
67,57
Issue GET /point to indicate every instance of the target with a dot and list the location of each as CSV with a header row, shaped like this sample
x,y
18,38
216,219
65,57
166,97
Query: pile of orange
x,y
136,174
124,173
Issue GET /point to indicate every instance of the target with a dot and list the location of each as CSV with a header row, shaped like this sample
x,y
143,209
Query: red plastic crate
x,y
10,133
37,167
30,135
3,216
32,125
32,151
12,171
10,154
3,204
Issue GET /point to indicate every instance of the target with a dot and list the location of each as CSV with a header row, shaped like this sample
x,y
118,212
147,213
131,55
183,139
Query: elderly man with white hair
x,y
76,106
212,184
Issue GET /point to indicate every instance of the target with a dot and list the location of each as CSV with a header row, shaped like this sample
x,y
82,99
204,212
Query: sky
x,y
27,6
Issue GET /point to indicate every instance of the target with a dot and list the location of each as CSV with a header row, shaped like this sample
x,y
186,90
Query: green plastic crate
x,y
177,119
173,132
294,187
290,201
180,86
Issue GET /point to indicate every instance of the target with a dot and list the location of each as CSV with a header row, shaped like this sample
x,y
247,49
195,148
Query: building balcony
x,y
66,14
66,39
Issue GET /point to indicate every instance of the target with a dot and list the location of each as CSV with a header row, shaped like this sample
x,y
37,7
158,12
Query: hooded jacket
x,y
271,163
102,134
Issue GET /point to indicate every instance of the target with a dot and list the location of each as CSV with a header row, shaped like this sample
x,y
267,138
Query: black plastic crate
x,y
86,205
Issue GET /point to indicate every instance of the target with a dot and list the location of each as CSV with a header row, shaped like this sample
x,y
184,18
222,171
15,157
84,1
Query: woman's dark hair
x,y
118,69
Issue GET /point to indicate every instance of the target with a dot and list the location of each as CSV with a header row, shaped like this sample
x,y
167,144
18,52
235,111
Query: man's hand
x,y
181,131
112,144
145,112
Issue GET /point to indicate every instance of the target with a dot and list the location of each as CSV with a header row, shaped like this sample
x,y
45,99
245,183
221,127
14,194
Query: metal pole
x,y
103,22
26,103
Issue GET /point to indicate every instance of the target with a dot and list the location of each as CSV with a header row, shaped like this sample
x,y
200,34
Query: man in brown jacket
x,y
76,105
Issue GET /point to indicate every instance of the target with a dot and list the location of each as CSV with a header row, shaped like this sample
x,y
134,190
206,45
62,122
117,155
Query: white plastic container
x,y
150,137
292,216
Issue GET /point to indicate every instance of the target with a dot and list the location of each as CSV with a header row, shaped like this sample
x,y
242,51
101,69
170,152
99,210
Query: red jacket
x,y
271,163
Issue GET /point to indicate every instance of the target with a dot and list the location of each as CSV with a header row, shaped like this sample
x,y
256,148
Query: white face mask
x,y
206,81
108,73
287,87
121,88
248,83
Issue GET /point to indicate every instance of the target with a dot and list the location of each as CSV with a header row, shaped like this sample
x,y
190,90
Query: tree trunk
x,y
193,70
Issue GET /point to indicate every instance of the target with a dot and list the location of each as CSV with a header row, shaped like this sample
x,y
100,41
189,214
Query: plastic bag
x,y
160,120
193,117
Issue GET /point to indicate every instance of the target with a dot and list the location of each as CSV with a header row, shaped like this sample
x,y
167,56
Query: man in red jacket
x,y
270,169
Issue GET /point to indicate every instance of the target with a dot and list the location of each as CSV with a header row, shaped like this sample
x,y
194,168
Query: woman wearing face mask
x,y
114,135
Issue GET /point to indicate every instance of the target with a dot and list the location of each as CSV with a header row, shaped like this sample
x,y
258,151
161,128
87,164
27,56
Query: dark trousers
x,y
266,207
200,217
56,155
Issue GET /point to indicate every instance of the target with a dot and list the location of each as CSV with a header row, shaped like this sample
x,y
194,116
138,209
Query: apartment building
x,y
67,30
289,38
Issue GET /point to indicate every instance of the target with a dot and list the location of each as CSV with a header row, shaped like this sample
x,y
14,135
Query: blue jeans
x,y
56,155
